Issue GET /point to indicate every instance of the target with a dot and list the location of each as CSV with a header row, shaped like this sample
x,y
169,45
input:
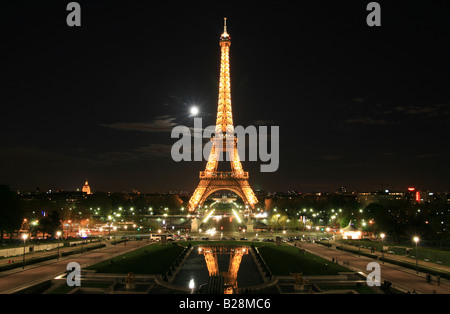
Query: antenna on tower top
x,y
225,37
225,25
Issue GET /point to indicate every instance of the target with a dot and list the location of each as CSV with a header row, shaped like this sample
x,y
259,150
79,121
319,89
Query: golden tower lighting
x,y
212,180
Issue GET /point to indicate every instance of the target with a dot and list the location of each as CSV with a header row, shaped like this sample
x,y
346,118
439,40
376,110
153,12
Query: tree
x,y
344,221
51,223
10,211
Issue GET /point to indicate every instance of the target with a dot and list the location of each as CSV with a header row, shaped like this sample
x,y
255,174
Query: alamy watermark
x,y
74,17
190,147
374,277
74,276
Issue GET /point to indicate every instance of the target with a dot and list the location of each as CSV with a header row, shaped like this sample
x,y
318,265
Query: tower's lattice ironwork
x,y
224,141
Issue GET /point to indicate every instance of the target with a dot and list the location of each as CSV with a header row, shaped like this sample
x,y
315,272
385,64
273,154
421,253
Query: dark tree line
x,y
13,211
10,211
400,220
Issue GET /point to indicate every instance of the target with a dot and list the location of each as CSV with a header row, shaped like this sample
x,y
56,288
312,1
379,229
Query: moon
x,y
194,111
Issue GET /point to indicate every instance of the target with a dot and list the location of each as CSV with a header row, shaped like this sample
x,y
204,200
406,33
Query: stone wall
x,y
28,249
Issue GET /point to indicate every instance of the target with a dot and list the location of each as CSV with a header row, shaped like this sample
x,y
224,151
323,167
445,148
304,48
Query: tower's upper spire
x,y
225,35
224,120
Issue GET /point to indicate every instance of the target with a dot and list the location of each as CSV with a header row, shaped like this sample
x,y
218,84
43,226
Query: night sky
x,y
362,107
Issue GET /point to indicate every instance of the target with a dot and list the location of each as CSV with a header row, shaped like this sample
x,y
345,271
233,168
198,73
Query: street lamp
x,y
192,285
416,239
359,247
24,237
382,245
59,241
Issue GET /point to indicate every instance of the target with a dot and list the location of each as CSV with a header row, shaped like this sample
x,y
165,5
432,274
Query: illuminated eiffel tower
x,y
212,180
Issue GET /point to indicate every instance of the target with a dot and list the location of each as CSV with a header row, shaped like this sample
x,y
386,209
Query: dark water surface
x,y
195,268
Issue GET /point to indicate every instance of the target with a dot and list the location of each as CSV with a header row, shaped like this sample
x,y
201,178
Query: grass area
x,y
151,259
432,254
411,264
284,260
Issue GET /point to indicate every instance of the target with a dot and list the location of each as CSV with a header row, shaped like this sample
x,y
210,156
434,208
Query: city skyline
x,y
359,107
342,190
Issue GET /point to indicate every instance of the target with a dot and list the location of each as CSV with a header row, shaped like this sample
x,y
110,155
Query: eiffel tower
x,y
224,140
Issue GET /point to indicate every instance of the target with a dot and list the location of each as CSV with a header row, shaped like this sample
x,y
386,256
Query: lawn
x,y
284,260
156,258
151,259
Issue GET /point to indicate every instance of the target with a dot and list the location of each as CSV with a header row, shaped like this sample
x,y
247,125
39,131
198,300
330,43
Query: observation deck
x,y
225,175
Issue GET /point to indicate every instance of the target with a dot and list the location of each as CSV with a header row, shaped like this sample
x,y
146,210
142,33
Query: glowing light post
x,y
416,239
360,238
24,237
110,226
382,246
115,229
328,236
59,241
192,286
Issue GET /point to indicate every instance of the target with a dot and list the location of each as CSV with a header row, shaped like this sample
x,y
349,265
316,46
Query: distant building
x,y
366,198
342,190
86,188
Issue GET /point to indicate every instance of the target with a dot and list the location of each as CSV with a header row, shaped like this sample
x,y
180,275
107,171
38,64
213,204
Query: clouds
x,y
400,114
433,110
369,121
331,157
159,124
31,158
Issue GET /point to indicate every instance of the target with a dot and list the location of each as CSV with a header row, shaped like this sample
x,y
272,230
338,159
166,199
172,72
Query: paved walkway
x,y
18,279
403,258
402,278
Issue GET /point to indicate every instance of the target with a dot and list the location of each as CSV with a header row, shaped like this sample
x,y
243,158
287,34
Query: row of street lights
x,y
416,241
25,237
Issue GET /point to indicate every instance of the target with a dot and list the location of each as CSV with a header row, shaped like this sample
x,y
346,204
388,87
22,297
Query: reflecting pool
x,y
233,262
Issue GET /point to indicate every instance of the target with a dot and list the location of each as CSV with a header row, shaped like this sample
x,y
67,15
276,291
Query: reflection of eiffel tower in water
x,y
212,180
230,277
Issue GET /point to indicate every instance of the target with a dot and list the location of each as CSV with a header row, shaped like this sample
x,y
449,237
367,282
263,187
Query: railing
x,y
264,269
223,175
